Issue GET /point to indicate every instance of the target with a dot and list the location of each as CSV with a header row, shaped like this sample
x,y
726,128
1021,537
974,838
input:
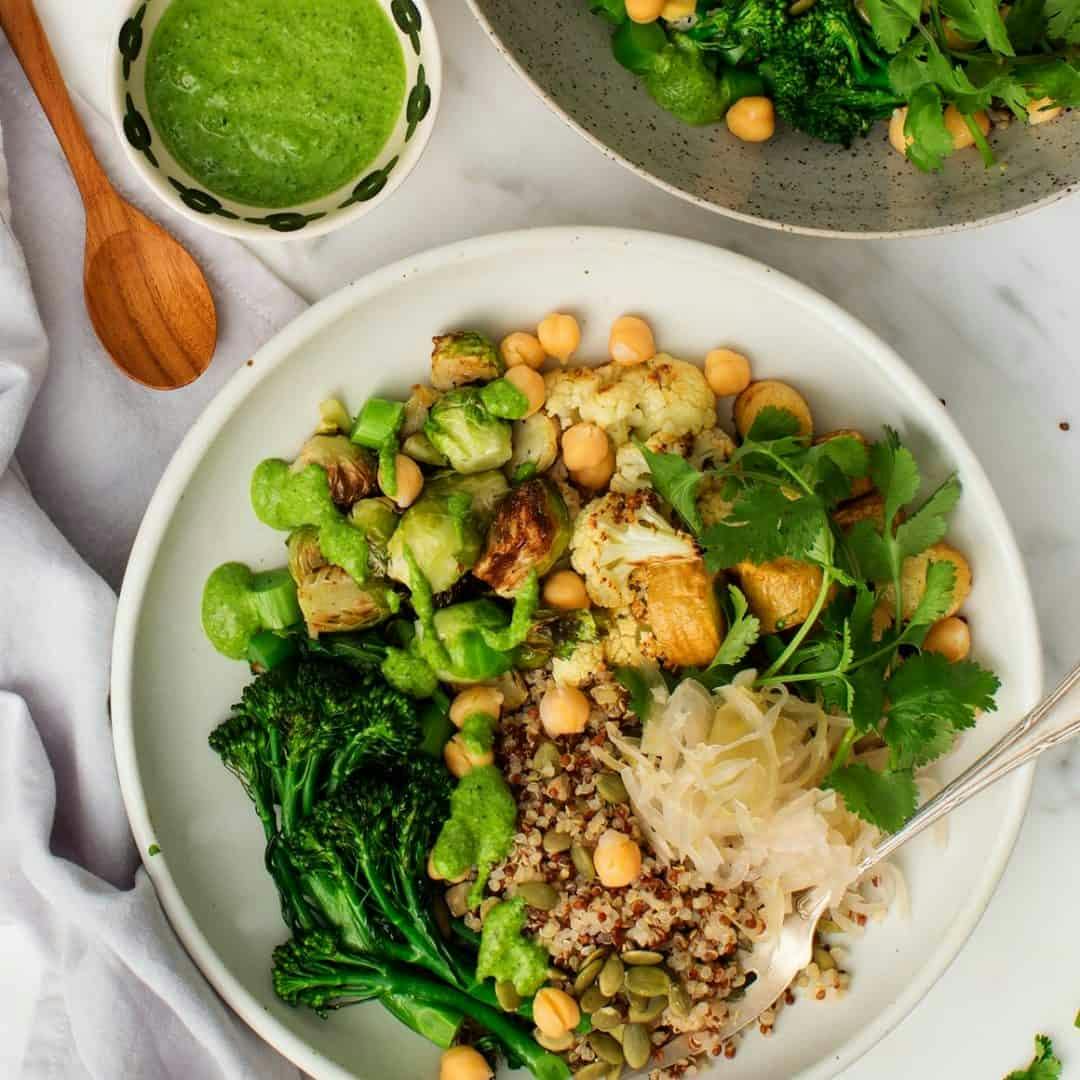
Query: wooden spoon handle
x,y
27,37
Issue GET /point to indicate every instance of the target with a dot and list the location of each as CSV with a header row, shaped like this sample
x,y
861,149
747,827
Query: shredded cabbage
x,y
728,780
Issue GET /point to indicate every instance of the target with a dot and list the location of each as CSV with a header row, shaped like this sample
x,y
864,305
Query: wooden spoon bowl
x,y
147,298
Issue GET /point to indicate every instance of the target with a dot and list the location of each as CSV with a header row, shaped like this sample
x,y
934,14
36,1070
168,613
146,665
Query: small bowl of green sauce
x,y
276,117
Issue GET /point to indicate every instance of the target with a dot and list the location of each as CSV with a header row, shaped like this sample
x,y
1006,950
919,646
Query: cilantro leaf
x,y
895,473
931,142
986,16
743,630
869,551
893,20
677,482
1063,20
930,700
934,602
868,685
928,525
885,799
1044,1066
772,424
637,686
764,524
1025,23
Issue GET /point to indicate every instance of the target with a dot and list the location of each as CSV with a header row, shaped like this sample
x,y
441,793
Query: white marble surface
x,y
989,318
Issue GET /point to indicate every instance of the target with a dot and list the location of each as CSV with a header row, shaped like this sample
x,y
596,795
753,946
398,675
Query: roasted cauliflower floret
x,y
627,643
617,533
631,470
581,667
661,395
711,447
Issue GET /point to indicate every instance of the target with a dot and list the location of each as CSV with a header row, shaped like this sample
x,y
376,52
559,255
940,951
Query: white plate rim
x,y
277,351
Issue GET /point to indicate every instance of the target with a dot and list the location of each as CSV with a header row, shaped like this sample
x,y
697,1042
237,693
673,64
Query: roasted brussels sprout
x,y
417,408
461,358
418,447
305,555
332,601
535,443
376,519
460,629
444,528
531,531
466,434
350,469
556,635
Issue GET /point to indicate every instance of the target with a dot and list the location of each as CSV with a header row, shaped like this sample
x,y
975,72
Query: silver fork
x,y
776,967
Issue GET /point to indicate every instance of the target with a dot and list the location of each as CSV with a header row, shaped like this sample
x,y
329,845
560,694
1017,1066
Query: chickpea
x,y
410,481
644,11
956,124
560,336
727,372
1043,110
631,341
476,699
596,477
555,1011
564,710
461,761
464,1063
521,348
617,859
950,638
530,383
678,9
584,445
900,141
752,119
565,591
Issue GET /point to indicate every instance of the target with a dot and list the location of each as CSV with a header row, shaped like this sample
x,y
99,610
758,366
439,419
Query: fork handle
x,y
1054,720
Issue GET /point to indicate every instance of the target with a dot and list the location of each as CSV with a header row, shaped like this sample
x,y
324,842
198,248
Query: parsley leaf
x,y
743,631
677,482
885,799
1044,1066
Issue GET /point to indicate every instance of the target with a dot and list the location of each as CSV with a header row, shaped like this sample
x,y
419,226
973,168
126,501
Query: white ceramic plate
x,y
169,688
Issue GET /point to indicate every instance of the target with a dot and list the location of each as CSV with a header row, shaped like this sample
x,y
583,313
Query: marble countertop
x,y
988,318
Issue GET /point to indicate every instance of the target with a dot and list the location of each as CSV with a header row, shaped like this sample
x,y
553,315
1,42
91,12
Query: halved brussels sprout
x,y
531,531
466,434
535,442
305,554
332,601
461,358
445,527
417,408
418,447
350,469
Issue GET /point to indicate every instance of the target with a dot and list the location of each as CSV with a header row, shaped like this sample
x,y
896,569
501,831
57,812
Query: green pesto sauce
x,y
506,954
480,829
228,616
275,102
286,500
345,545
478,733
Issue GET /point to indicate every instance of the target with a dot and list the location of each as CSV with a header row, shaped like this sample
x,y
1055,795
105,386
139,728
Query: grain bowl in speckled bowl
x,y
793,183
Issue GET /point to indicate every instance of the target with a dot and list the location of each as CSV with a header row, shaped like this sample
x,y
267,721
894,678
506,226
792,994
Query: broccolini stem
x,y
294,908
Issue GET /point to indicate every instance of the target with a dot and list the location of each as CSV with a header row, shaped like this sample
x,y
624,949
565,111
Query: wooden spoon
x,y
147,298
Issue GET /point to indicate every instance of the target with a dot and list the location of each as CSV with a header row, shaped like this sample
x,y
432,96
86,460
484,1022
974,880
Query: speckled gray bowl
x,y
791,183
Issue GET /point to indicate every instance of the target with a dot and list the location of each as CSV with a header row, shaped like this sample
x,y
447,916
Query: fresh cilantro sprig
x,y
1044,1066
743,631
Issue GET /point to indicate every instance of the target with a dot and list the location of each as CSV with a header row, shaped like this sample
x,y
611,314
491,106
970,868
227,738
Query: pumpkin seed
x,y
582,861
800,7
593,998
537,894
636,1045
614,1072
611,976
556,842
651,981
606,1048
611,788
555,1043
647,1013
508,997
598,1070
547,756
679,1000
457,898
587,975
606,1019
823,959
642,957
637,1001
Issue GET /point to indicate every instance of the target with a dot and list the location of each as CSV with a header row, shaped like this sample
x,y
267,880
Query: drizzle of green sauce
x,y
275,102
285,500
480,829
506,954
